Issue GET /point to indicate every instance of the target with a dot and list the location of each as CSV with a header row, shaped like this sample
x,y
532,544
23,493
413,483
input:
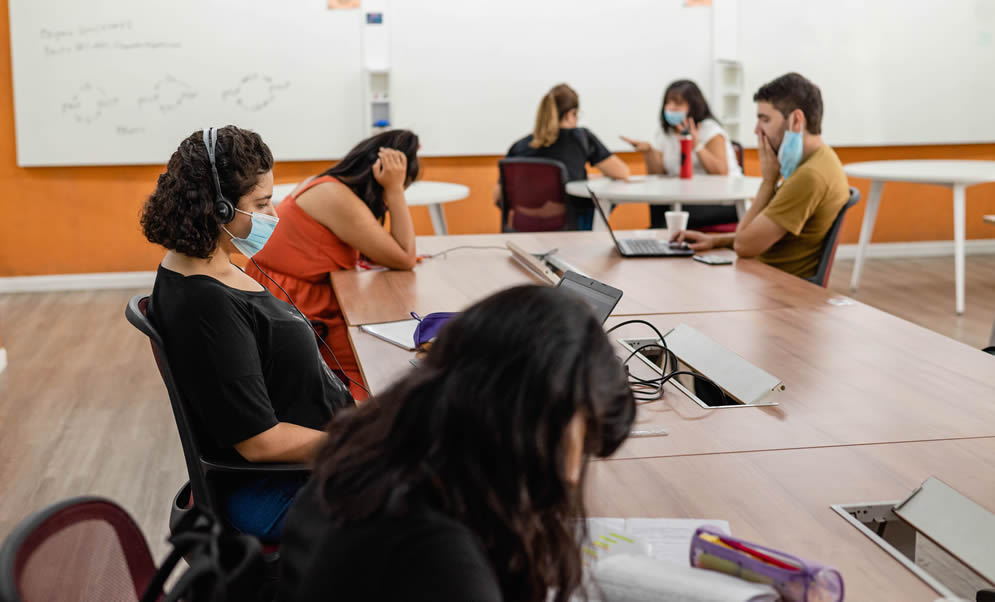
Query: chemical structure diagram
x,y
88,103
167,95
254,92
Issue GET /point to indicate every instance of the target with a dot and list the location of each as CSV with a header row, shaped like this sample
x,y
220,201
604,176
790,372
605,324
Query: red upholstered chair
x,y
534,195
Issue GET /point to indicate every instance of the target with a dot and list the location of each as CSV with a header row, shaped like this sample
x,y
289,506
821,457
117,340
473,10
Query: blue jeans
x,y
259,508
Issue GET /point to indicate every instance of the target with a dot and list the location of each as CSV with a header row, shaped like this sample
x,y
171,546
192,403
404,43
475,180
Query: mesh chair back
x,y
80,550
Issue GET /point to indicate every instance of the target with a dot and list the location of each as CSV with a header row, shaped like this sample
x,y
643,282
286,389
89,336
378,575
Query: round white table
x,y
433,195
662,190
419,194
954,174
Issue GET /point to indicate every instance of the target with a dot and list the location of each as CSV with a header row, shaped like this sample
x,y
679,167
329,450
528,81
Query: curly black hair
x,y
179,214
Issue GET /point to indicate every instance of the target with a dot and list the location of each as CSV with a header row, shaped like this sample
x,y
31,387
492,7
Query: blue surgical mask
x,y
790,153
674,117
262,229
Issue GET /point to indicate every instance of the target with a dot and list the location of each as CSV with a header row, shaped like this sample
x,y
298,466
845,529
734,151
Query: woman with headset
x,y
246,362
332,219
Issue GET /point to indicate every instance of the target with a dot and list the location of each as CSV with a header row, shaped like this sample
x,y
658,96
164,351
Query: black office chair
x,y
533,195
201,470
832,241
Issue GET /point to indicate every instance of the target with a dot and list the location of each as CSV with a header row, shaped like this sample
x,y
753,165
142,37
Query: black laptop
x,y
642,247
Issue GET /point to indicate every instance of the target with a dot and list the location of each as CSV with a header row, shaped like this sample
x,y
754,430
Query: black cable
x,y
443,253
306,319
655,384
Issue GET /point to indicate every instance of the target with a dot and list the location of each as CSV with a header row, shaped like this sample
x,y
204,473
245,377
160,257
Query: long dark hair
x,y
689,91
356,169
477,432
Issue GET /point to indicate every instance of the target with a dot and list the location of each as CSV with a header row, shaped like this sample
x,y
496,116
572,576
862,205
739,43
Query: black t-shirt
x,y
242,360
423,556
574,147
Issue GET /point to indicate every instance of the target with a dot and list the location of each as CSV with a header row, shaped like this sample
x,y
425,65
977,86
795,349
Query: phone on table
x,y
713,259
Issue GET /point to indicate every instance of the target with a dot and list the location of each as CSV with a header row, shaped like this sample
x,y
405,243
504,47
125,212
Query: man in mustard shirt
x,y
786,225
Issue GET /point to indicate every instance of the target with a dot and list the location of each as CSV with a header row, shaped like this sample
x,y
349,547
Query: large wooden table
x,y
853,374
783,498
650,285
873,406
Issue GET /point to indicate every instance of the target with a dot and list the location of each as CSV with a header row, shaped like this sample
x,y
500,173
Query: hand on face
x,y
692,129
770,167
391,168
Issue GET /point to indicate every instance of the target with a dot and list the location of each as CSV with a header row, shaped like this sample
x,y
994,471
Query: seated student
x,y
463,480
686,110
332,219
246,362
786,225
556,136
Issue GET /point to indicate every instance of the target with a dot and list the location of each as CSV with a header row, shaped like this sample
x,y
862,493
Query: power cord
x,y
306,319
646,390
461,247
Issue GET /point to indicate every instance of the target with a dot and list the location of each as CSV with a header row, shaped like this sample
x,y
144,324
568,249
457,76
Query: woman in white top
x,y
686,110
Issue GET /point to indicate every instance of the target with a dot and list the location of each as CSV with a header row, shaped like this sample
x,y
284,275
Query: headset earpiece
x,y
223,208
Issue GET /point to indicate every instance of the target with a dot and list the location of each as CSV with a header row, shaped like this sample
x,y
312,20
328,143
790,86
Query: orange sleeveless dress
x,y
300,255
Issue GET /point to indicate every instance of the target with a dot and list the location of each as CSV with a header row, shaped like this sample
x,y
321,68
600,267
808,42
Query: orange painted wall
x,y
85,219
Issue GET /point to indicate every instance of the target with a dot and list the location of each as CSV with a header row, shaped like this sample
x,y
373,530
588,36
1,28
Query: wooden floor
x,y
922,291
83,411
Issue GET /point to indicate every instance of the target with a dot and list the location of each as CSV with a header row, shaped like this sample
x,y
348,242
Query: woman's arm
x,y
337,208
713,156
652,158
613,167
284,442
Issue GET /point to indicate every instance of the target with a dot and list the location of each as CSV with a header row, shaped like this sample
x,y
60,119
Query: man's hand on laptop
x,y
698,241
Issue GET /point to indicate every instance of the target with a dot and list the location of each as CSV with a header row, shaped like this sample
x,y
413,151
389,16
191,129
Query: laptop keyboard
x,y
645,246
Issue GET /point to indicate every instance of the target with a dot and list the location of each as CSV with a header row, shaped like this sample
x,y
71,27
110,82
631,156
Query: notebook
x,y
400,333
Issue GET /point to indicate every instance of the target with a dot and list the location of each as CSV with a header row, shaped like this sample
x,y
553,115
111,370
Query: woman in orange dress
x,y
328,222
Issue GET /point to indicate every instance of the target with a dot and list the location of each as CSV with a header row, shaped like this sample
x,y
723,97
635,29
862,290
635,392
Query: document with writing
x,y
669,538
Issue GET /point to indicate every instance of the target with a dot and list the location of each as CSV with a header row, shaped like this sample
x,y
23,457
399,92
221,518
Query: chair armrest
x,y
222,466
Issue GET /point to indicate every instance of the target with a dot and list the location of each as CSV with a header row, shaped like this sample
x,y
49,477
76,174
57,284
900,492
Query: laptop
x,y
601,297
642,247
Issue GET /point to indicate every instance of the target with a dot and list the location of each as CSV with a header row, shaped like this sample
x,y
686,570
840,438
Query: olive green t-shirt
x,y
806,204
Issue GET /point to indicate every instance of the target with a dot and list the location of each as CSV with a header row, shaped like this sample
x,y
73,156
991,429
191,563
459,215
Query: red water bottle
x,y
687,154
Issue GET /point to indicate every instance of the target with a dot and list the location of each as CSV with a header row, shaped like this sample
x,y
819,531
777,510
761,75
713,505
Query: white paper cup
x,y
677,221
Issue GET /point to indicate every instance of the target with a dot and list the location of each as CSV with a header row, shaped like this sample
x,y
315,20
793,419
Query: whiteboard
x,y
468,75
892,72
124,81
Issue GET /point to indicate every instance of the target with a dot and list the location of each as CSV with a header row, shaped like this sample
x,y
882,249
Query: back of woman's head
x,y
180,213
552,108
689,92
477,432
355,170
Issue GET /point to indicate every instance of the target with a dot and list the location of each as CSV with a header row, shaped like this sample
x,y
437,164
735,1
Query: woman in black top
x,y
246,363
556,136
464,479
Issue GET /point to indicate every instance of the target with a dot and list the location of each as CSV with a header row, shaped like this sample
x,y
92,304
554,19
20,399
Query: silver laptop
x,y
642,247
